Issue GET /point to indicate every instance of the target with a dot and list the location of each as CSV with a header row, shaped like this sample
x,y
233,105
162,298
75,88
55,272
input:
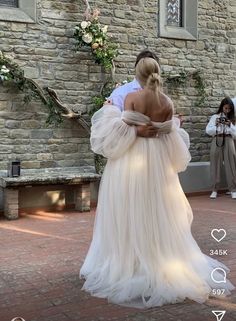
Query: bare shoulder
x,y
129,101
167,101
168,105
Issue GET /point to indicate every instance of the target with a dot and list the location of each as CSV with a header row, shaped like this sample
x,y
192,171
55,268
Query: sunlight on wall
x,y
56,197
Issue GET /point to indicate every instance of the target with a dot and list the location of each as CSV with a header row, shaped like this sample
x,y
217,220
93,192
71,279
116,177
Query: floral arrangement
x,y
91,33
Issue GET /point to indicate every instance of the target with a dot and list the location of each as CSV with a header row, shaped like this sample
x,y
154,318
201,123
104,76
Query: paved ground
x,y
41,254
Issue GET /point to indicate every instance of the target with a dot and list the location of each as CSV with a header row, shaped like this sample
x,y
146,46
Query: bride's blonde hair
x,y
148,74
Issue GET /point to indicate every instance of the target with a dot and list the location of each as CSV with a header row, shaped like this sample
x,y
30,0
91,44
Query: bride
x,y
142,252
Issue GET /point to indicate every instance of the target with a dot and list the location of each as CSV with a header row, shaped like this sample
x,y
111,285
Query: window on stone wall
x,y
174,13
178,19
9,3
18,10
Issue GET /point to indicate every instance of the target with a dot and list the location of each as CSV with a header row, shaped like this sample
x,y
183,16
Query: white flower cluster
x,y
4,73
90,32
88,36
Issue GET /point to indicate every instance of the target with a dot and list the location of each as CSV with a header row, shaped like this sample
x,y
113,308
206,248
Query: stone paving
x,y
41,254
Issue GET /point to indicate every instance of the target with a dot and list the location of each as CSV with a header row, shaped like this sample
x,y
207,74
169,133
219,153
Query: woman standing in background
x,y
222,127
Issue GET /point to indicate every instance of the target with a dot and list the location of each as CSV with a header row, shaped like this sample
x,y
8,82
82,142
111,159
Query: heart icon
x,y
218,234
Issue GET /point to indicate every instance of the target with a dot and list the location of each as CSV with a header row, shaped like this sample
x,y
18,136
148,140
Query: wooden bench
x,y
80,181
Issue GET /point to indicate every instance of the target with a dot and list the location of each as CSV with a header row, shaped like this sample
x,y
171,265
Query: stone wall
x,y
46,51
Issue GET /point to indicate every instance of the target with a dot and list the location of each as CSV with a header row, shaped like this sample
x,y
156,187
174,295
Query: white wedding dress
x,y
142,252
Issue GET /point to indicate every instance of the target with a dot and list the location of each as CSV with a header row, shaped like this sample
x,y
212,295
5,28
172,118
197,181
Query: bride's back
x,y
157,106
150,101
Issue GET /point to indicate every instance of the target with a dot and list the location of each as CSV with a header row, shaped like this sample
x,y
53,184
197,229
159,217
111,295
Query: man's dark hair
x,y
146,54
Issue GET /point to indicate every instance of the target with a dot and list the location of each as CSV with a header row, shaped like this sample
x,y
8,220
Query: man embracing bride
x,y
142,252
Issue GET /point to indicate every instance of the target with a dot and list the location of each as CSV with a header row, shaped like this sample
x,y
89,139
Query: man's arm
x,y
147,131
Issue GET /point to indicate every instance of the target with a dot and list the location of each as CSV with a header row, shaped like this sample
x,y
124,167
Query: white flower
x,y
84,24
104,29
4,69
87,38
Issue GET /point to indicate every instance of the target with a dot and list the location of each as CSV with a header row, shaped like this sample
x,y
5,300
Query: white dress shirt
x,y
119,94
211,127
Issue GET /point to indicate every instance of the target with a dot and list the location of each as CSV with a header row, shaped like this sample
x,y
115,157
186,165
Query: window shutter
x,y
9,3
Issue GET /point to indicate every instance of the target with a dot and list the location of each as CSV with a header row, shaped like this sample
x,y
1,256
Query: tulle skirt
x,y
142,252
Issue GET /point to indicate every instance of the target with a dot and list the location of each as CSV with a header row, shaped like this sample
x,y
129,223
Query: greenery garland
x,y
11,73
200,87
175,81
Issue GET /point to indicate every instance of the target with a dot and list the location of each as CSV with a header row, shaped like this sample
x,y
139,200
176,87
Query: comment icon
x,y
218,275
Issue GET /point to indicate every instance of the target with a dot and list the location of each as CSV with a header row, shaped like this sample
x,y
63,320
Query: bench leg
x,y
82,197
11,203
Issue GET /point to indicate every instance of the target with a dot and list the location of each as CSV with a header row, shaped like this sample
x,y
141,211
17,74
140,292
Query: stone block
x,y
41,133
11,203
31,72
82,198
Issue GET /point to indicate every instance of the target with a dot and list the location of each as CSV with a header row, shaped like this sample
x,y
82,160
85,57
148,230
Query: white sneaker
x,y
233,195
214,194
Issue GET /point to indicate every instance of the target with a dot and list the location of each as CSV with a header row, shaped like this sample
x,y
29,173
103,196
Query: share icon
x,y
219,314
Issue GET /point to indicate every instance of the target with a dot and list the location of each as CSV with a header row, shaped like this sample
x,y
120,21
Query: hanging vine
x,y
11,74
181,79
200,87
172,81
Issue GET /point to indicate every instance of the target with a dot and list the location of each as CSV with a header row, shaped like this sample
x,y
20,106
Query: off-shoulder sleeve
x,y
177,144
182,132
185,136
110,135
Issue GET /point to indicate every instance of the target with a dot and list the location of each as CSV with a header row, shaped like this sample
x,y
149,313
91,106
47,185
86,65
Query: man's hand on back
x,y
147,131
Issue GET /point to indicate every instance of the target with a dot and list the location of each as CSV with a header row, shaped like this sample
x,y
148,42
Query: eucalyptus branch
x,y
67,111
12,74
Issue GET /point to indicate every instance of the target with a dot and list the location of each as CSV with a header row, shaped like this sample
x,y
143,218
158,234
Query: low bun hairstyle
x,y
148,73
154,81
